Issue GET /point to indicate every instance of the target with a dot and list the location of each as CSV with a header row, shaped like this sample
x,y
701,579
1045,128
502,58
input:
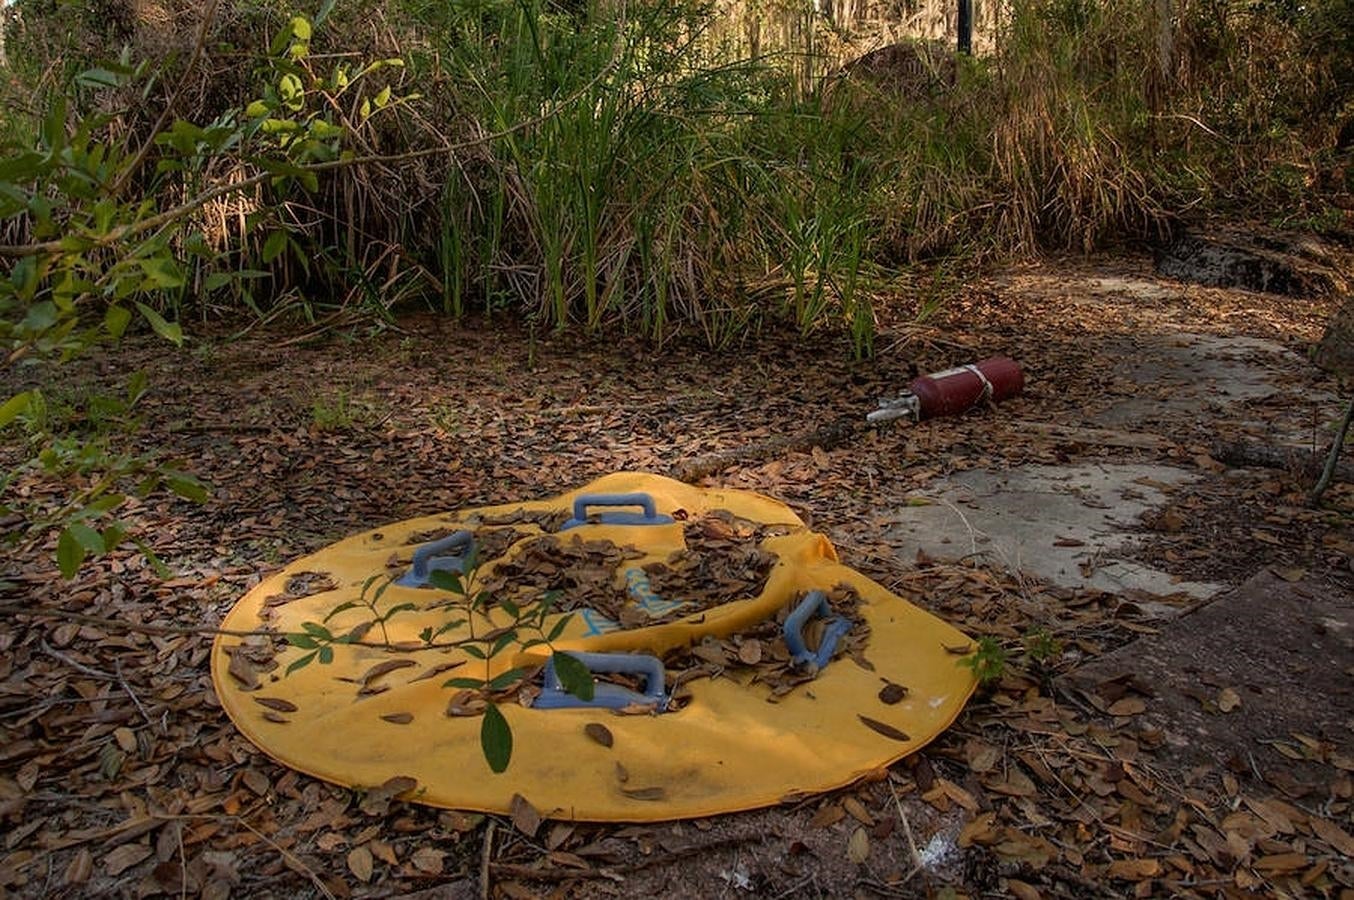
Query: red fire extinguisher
x,y
954,391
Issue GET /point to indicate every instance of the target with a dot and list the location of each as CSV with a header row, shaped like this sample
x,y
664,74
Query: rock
x,y
1270,263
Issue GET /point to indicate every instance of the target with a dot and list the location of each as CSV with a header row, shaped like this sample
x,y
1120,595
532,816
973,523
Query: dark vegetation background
x,y
666,179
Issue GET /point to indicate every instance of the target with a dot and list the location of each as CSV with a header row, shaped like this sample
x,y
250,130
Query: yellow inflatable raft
x,y
738,663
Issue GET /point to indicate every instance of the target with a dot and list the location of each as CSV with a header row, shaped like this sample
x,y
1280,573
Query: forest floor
x,y
1111,765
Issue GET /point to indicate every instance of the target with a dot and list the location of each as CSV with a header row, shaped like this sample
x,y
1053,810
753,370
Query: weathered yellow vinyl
x,y
727,749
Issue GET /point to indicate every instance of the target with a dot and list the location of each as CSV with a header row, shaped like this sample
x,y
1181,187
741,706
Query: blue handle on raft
x,y
814,603
649,516
436,557
607,696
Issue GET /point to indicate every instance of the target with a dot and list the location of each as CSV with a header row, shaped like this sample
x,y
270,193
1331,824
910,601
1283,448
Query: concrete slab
x,y
1297,680
1064,524
1186,375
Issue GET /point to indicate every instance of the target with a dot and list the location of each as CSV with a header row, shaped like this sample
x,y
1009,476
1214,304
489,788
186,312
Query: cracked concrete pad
x,y
1064,524
1187,375
1295,680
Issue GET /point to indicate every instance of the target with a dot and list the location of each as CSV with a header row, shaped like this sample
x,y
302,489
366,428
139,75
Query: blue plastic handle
x,y
814,603
607,696
649,516
437,557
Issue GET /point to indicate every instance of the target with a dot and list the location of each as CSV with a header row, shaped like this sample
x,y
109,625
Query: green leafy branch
x,y
527,630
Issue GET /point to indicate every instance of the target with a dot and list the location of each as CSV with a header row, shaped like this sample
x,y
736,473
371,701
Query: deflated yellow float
x,y
817,680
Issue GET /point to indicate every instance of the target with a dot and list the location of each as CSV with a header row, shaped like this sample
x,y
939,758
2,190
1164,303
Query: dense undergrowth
x,y
607,165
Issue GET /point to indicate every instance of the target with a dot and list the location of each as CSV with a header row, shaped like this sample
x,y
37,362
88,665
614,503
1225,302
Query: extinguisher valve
x,y
905,407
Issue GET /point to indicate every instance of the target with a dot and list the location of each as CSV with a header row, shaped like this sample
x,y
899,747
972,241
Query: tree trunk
x,y
1335,352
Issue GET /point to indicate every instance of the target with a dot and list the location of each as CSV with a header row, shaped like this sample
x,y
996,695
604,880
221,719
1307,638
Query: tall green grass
x,y
662,184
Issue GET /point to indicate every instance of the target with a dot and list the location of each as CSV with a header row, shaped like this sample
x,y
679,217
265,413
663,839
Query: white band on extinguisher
x,y
987,385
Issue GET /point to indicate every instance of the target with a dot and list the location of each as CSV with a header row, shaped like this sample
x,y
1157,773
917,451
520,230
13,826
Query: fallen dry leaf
x,y
360,863
884,728
525,817
648,793
1228,700
80,867
599,733
857,811
858,846
1129,706
1281,863
428,861
892,693
277,704
1334,835
826,815
1134,869
120,859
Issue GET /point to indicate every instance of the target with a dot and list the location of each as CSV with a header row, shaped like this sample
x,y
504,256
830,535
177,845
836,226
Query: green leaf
x,y
162,272
318,630
185,485
398,608
448,626
280,40
342,607
510,608
161,570
103,504
40,317
304,641
87,537
325,9
506,679
468,684
69,554
302,662
301,28
559,627
14,407
98,78
113,535
136,387
573,676
290,89
508,637
273,247
170,331
496,739
116,319
472,650
326,655
446,581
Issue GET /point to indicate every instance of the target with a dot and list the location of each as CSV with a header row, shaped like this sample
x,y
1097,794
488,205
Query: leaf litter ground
x,y
119,774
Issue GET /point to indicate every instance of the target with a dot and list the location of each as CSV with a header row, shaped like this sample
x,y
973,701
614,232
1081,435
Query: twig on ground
x,y
486,871
77,666
136,701
614,873
907,832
